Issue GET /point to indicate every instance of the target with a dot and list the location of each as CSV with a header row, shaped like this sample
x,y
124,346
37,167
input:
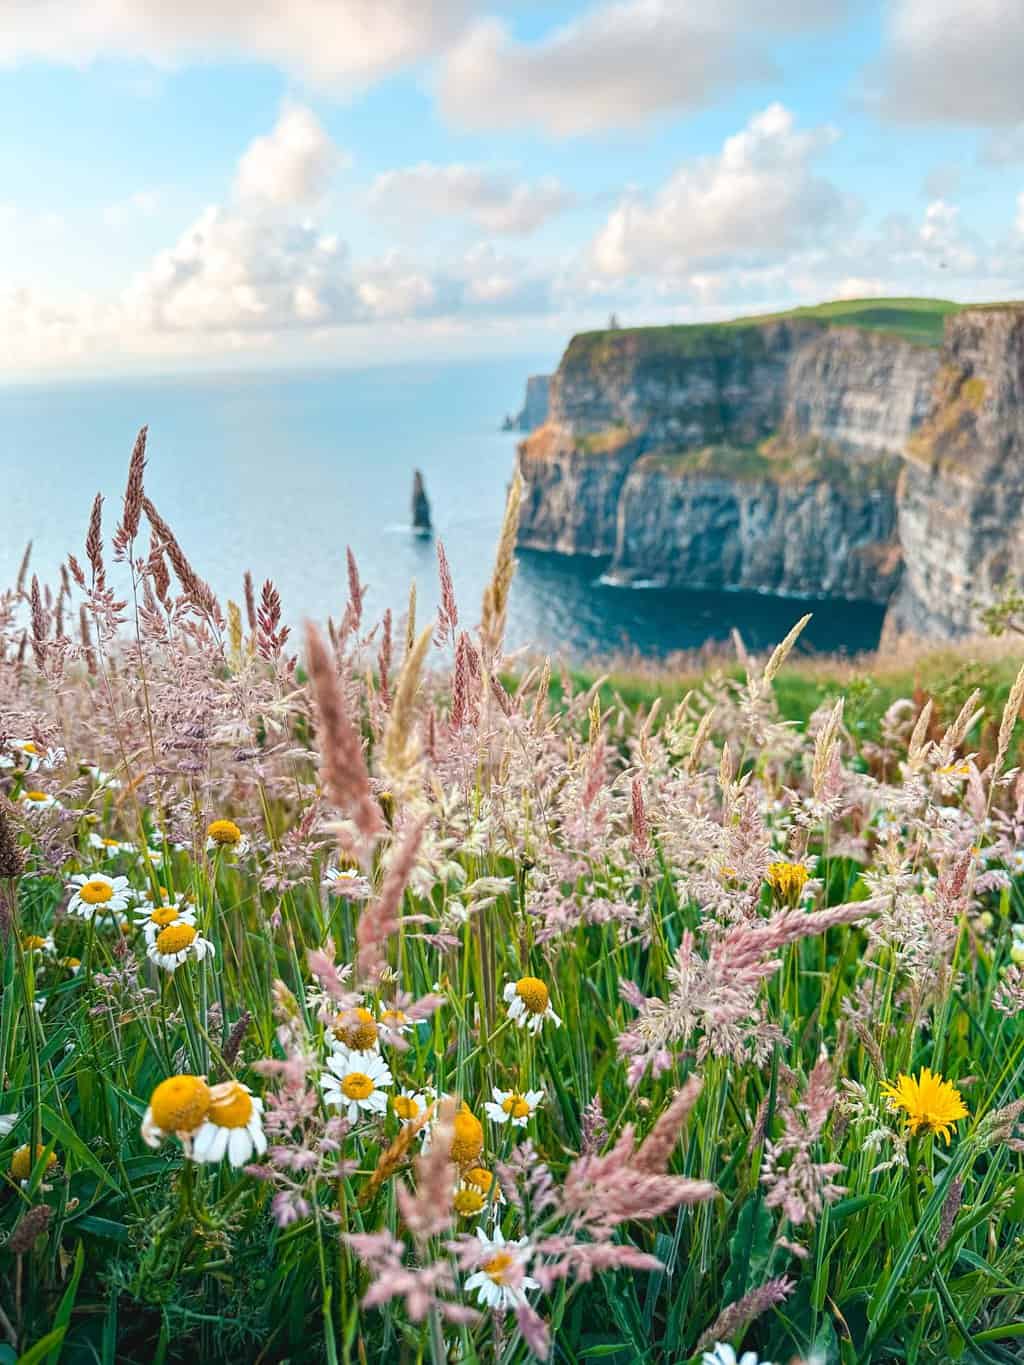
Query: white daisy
x,y
233,1126
110,848
477,1192
723,1354
347,881
36,943
509,1106
176,943
178,1105
95,891
355,1081
155,918
26,754
39,801
409,1105
103,779
529,1003
354,1030
499,1283
224,836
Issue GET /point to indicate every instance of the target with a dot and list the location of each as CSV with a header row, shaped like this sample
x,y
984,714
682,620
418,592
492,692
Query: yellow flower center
x,y
787,880
357,1086
231,1105
393,1019
468,1202
533,993
405,1107
498,1267
164,915
467,1138
29,748
96,892
22,1161
71,962
110,843
516,1106
224,832
33,943
175,937
36,796
481,1177
180,1104
357,1029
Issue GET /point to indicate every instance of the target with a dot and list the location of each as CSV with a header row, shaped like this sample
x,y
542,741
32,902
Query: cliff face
x,y
756,456
535,405
962,489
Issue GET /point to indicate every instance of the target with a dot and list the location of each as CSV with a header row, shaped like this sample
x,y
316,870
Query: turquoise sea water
x,y
279,472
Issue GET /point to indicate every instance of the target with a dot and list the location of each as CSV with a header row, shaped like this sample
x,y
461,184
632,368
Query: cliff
x,y
534,412
962,488
757,455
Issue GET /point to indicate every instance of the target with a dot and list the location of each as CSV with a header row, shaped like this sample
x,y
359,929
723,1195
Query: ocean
x,y
279,472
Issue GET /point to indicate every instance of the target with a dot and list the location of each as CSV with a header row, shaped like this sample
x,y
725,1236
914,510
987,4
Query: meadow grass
x,y
386,999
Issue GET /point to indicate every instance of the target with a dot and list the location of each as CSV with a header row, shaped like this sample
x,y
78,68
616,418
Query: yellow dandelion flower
x,y
931,1104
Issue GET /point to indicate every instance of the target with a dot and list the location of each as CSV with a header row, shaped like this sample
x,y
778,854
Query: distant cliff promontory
x,y
867,450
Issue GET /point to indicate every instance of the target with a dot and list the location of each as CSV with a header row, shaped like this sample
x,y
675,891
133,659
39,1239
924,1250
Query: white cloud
x,y
493,202
122,213
757,199
949,61
616,65
292,164
329,42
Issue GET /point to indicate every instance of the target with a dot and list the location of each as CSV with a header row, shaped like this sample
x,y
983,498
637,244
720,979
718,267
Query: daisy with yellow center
x,y
226,836
476,1192
233,1126
36,800
355,1083
529,1003
35,943
467,1137
109,848
354,1030
27,755
408,1105
176,944
509,1106
500,1283
395,1020
23,1162
177,1106
347,879
155,918
931,1104
787,881
95,893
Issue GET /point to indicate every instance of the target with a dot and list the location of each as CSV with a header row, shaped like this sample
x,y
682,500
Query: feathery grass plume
x,y
156,567
19,584
12,864
85,637
234,634
918,743
739,1315
401,748
198,592
271,635
32,1226
448,615
380,919
495,603
250,600
384,658
94,541
657,1147
781,652
236,1037
133,495
392,1156
39,625
968,716
343,765
410,620
1011,711
428,1211
823,749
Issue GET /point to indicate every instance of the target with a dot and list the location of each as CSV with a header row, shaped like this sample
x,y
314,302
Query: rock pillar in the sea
x,y
420,506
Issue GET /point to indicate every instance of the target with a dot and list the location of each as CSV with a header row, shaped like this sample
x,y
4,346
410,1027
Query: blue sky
x,y
348,181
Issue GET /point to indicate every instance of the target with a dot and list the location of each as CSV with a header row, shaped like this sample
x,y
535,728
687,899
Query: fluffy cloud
x,y
950,62
292,164
330,42
616,65
492,202
122,213
757,199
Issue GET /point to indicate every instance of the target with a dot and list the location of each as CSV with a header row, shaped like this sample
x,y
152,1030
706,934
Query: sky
x,y
197,184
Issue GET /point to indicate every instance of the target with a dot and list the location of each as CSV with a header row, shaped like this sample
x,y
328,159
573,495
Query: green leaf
x,y
750,1248
43,1347
71,1142
67,1303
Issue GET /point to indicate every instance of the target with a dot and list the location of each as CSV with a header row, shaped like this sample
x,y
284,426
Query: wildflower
x,y
155,918
509,1106
468,1201
225,834
178,1105
233,1126
787,880
347,876
931,1104
408,1105
23,1161
355,1081
35,943
355,1031
96,891
103,779
500,1282
529,1003
473,1193
178,942
70,964
38,800
27,753
723,1354
395,1020
110,848
467,1136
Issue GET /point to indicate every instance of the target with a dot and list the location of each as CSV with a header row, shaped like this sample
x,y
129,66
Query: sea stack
x,y
420,506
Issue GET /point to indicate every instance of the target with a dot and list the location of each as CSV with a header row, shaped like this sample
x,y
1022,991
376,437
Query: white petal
x,y
239,1147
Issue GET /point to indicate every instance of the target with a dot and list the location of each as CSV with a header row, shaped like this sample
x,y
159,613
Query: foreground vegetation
x,y
384,1005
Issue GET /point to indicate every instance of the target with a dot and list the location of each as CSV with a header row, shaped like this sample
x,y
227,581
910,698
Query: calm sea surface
x,y
279,472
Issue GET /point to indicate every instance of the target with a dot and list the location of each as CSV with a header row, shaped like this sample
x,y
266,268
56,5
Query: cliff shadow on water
x,y
590,618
